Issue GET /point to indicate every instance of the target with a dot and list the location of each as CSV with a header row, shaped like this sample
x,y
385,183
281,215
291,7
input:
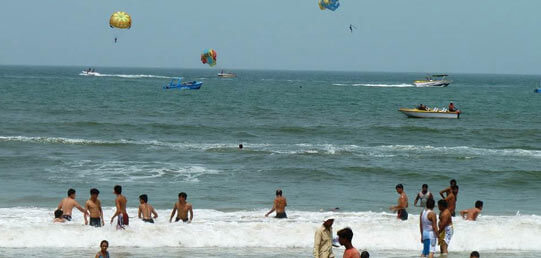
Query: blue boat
x,y
537,90
193,85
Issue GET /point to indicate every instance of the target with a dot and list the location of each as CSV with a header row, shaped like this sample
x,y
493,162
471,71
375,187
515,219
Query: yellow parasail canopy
x,y
121,20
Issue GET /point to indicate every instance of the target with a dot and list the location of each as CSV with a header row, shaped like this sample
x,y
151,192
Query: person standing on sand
x,y
67,204
344,237
146,210
182,208
423,195
402,203
323,240
451,199
471,214
445,226
279,206
93,205
103,253
428,226
120,203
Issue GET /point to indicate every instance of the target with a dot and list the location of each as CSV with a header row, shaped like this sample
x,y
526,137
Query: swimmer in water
x,y
120,203
181,207
423,195
279,206
58,217
344,237
67,204
241,146
103,253
93,205
146,210
471,214
402,203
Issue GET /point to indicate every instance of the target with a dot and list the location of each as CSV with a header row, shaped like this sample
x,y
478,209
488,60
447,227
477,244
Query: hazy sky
x,y
477,36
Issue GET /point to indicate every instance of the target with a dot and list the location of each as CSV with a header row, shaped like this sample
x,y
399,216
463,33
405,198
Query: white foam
x,y
300,148
32,227
400,85
130,76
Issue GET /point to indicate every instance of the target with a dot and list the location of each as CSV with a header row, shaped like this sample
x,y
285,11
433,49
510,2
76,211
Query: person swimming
x,y
146,210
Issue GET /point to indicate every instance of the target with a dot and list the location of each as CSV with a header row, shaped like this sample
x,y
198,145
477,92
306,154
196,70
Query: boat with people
x,y
223,74
423,111
193,85
435,80
89,72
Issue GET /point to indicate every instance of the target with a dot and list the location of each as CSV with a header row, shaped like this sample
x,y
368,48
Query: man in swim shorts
x,y
120,203
402,204
67,204
146,210
181,208
429,228
471,214
445,226
93,205
279,206
344,237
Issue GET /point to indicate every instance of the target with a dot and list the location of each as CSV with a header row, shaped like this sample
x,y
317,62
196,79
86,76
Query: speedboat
x,y
223,74
537,90
193,85
430,113
436,80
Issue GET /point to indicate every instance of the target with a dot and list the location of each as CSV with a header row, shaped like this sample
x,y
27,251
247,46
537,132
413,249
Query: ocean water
x,y
328,139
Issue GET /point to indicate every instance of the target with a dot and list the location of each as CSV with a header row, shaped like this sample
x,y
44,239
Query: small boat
x,y
430,113
537,90
223,74
89,73
436,80
193,85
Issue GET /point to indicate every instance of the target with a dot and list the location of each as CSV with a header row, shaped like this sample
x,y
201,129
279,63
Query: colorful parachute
x,y
329,4
120,20
209,57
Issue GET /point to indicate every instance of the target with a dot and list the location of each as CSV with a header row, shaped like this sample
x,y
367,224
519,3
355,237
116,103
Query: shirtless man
x,y
471,214
344,237
120,203
93,205
146,210
67,204
402,204
448,189
451,199
445,232
182,208
279,206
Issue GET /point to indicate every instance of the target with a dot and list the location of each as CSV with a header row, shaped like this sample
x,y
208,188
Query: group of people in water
x,y
450,108
434,230
93,209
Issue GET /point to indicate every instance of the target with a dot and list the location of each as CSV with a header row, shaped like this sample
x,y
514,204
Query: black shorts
x,y
67,217
403,214
281,215
183,220
148,220
95,222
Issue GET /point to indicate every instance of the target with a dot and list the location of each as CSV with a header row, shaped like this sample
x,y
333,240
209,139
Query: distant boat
x,y
223,74
193,85
538,90
436,80
429,113
89,73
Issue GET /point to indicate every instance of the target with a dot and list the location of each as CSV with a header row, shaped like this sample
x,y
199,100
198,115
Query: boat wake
x,y
129,76
401,85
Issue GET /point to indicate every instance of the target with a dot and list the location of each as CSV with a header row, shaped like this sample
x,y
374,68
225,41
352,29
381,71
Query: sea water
x,y
328,139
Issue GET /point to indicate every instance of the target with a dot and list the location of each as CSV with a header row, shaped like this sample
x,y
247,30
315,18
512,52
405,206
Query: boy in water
x,y
451,199
67,204
183,208
344,237
402,203
445,227
423,195
471,214
93,205
58,217
279,206
120,203
146,210
448,189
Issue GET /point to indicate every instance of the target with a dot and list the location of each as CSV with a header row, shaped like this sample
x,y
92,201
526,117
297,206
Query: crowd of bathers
x,y
434,230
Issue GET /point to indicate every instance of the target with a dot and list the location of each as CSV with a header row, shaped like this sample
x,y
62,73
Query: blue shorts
x,y
429,246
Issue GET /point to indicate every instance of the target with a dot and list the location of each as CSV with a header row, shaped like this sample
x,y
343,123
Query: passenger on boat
x,y
452,107
421,107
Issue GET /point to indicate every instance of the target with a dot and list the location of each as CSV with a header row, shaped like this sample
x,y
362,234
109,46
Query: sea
x,y
327,139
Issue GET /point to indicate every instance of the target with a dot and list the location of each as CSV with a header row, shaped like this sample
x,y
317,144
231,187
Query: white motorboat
x,y
436,80
430,113
223,74
89,73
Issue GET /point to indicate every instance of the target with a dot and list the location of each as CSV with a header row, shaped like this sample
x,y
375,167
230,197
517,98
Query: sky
x,y
459,36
